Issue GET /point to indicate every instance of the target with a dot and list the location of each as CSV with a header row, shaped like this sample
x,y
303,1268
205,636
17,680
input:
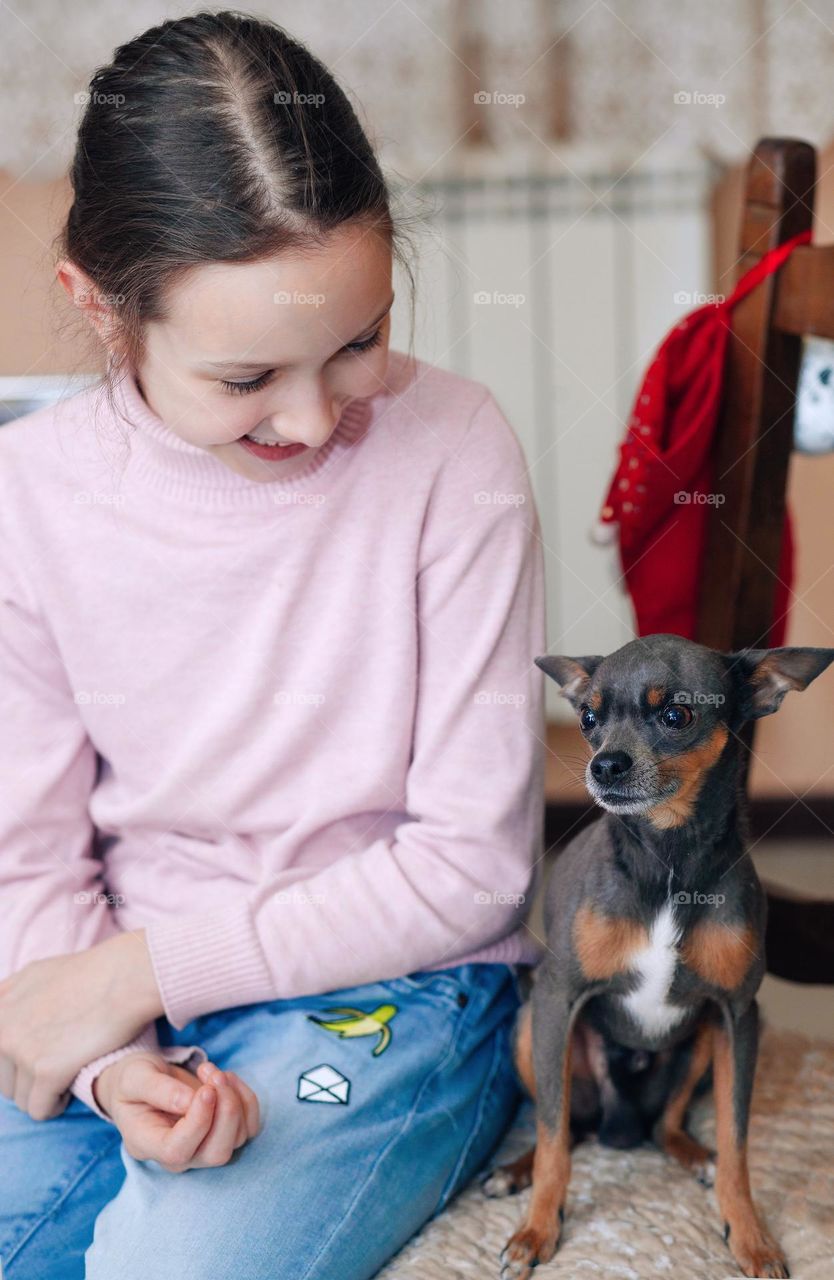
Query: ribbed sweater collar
x,y
162,460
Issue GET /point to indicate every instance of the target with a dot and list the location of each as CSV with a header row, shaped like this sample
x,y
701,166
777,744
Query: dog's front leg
x,y
734,1064
537,1239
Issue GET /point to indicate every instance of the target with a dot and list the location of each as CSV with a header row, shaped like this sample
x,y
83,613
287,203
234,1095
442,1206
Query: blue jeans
x,y
365,1136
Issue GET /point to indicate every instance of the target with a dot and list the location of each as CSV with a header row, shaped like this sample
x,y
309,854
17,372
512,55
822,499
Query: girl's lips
x,y
272,452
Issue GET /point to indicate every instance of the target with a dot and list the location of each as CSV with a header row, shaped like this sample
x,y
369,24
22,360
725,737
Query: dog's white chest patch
x,y
655,966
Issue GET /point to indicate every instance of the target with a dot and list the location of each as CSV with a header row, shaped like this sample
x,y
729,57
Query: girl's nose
x,y
310,424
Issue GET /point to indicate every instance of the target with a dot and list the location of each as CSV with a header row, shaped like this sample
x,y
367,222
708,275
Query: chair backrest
x,y
752,454
755,431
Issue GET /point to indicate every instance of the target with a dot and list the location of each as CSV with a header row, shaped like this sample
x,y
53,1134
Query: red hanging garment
x,y
667,450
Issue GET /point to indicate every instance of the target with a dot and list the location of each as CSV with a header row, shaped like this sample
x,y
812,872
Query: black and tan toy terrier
x,y
655,920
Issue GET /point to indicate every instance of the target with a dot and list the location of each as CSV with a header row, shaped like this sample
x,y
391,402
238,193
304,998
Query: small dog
x,y
655,920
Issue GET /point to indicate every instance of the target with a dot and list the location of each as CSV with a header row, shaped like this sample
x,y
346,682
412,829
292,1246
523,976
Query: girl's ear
x,y
83,293
572,674
764,676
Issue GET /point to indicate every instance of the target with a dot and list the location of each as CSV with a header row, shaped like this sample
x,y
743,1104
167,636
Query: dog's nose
x,y
609,766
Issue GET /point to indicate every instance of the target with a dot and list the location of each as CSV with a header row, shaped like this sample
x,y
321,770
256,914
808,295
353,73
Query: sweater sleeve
x,y
189,1056
53,897
450,878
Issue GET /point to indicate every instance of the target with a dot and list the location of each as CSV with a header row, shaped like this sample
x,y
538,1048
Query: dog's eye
x,y
676,717
587,719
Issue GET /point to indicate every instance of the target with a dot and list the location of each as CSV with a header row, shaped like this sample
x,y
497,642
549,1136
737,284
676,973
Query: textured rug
x,y
634,1215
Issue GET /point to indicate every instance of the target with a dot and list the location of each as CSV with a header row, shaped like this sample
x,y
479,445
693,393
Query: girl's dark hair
x,y
212,138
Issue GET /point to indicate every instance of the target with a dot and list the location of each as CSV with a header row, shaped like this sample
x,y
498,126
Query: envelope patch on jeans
x,y
323,1084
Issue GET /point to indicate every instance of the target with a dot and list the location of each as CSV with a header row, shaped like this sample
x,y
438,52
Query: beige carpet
x,y
635,1215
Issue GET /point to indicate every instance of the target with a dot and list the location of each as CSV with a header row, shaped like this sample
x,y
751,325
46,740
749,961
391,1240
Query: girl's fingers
x,y
227,1122
165,1092
210,1073
249,1109
183,1139
213,1075
249,1098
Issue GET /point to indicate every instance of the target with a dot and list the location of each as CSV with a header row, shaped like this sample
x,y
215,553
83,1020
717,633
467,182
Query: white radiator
x,y
554,290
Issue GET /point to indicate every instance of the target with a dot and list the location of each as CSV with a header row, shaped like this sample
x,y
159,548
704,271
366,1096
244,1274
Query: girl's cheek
x,y
367,376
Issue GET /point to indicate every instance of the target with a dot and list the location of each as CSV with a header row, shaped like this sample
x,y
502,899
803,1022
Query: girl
x,y
271,761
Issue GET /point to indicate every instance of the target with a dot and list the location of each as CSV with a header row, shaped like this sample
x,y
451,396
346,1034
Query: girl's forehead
x,y
317,301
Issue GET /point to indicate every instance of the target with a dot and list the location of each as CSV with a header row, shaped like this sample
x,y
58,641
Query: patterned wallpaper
x,y
443,81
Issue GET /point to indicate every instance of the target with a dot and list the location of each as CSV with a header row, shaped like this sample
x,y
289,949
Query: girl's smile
x,y
271,452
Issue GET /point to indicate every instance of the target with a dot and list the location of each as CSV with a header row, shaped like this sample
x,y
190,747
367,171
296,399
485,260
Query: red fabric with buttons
x,y
667,451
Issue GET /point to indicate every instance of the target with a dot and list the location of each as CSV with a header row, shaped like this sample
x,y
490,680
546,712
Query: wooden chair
x,y
752,455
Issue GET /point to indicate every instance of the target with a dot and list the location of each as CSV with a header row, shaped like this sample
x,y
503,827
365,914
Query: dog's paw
x,y
758,1255
498,1182
507,1179
693,1156
525,1250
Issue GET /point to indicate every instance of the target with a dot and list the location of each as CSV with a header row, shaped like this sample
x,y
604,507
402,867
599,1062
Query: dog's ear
x,y
572,674
764,676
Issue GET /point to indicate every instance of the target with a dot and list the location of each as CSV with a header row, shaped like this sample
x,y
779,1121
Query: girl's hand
x,y
58,1014
165,1113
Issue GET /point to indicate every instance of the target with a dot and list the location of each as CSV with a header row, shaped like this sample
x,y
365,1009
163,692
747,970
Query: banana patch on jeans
x,y
348,1024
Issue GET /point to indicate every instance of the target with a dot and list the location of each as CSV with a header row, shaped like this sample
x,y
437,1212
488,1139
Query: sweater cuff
x,y
208,962
189,1056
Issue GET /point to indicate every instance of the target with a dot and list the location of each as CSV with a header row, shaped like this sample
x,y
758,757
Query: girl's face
x,y
274,348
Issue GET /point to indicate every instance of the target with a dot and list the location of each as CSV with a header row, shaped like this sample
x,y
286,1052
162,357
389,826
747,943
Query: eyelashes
x,y
255,384
366,343
241,388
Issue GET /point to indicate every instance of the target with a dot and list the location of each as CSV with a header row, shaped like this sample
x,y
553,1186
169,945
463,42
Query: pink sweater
x,y
294,729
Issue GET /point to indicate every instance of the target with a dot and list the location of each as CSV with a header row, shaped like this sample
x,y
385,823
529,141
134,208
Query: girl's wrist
x,y
132,972
102,1086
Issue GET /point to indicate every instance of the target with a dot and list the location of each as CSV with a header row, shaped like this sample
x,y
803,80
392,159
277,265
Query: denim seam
x,y
477,1124
440,1066
446,990
82,1173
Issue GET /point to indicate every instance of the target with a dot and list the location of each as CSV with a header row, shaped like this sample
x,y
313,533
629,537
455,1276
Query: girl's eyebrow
x,y
241,365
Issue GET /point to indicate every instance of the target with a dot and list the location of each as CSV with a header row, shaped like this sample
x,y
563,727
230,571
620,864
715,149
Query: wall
x,y
38,334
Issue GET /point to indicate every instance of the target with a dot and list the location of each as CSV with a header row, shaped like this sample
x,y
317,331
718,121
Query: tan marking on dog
x,y
518,1174
769,671
690,768
753,1248
654,696
720,954
605,944
536,1240
670,1134
523,1052
594,700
